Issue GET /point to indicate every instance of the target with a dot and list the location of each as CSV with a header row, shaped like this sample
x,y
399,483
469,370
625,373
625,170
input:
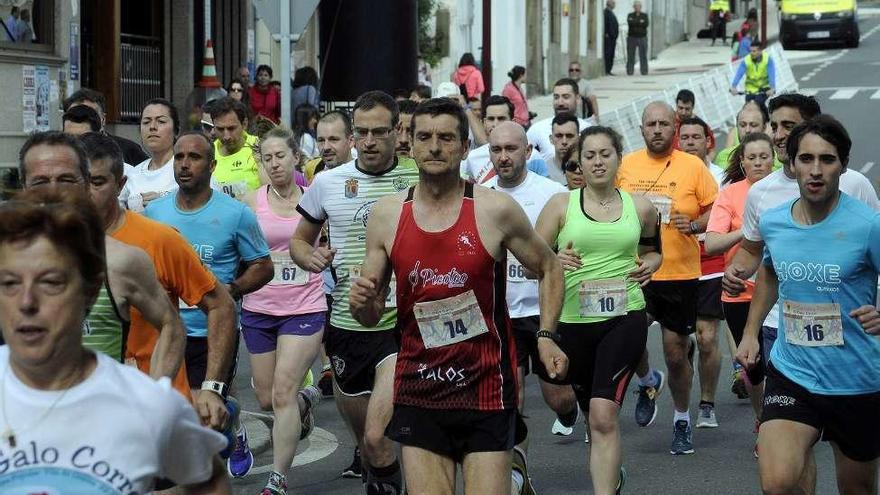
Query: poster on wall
x,y
28,99
74,51
43,89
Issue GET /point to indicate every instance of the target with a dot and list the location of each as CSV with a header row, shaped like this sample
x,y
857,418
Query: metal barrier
x,y
141,71
715,104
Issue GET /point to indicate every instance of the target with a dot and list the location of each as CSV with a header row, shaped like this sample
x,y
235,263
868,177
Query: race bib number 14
x,y
451,320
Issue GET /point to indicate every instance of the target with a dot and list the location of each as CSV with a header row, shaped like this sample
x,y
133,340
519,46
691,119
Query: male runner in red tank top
x,y
455,380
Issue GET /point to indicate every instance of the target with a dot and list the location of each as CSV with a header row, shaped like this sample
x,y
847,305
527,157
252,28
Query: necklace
x,y
605,204
9,432
282,198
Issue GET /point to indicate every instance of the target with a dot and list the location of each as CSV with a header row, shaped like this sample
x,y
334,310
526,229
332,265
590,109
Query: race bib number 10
x,y
812,325
601,298
451,320
286,271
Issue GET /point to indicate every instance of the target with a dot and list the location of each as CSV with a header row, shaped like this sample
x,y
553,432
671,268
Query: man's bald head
x,y
509,149
509,130
658,128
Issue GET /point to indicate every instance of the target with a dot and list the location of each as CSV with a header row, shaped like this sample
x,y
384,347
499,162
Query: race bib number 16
x,y
812,325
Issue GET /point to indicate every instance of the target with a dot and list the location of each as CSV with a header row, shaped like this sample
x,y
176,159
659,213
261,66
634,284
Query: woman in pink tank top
x,y
283,322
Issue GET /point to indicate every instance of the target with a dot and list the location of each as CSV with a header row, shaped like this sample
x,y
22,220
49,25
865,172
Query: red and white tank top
x,y
457,349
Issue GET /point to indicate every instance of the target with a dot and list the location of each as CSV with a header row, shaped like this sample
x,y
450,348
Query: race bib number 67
x,y
451,320
812,325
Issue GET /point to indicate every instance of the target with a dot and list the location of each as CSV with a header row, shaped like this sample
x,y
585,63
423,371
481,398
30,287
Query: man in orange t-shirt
x,y
178,268
683,190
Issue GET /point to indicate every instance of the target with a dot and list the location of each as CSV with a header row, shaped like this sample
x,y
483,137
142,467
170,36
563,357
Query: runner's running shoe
x,y
706,417
682,438
277,485
646,404
355,469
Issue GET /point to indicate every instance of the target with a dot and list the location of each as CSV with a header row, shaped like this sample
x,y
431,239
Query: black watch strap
x,y
547,334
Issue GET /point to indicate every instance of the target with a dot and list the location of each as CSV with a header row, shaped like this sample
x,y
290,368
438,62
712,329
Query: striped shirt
x,y
344,197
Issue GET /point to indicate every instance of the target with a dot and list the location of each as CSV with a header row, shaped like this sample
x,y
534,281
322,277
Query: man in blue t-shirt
x,y
229,241
821,259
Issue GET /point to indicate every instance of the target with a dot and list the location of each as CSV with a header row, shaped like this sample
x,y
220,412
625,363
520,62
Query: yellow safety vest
x,y
757,76
722,5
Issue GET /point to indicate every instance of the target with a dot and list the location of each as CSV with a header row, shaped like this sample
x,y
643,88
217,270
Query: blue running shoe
x,y
682,438
646,404
241,460
232,408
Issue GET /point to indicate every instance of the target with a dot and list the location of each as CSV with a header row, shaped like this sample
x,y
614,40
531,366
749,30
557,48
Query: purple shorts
x,y
261,331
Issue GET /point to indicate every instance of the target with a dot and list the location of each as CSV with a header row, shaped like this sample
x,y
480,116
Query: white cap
x,y
446,89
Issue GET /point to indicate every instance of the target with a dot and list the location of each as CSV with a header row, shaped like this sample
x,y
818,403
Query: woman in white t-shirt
x,y
92,425
154,177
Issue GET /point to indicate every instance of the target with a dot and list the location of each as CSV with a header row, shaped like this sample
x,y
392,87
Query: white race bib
x,y
181,304
812,325
286,271
515,271
602,298
451,320
663,204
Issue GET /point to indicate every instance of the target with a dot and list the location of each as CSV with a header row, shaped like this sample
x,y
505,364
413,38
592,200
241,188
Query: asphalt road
x,y
846,84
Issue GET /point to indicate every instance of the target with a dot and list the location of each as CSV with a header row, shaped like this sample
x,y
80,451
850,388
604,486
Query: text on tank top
x,y
457,350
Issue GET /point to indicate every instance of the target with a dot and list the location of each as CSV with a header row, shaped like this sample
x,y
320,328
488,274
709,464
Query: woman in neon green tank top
x,y
608,243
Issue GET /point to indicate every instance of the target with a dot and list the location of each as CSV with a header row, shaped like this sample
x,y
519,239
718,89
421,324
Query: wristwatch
x,y
547,334
695,227
218,388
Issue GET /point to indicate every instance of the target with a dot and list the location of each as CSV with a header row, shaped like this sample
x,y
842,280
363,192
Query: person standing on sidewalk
x,y
589,102
718,12
637,38
760,72
611,32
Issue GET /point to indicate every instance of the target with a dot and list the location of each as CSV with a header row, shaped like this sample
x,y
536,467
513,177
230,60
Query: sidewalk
x,y
673,65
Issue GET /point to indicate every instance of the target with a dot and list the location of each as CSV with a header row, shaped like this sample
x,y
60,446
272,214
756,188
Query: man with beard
x,y
335,142
565,99
682,189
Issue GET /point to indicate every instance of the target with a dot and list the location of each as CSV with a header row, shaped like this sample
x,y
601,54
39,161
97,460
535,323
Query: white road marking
x,y
321,442
844,94
876,95
867,167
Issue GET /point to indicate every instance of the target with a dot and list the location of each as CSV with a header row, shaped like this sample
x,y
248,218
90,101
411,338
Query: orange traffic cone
x,y
209,69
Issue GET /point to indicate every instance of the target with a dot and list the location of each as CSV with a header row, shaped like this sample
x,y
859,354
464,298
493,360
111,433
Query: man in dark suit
x,y
611,32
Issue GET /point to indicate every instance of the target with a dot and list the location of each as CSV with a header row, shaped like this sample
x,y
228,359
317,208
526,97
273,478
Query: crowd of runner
x,y
428,257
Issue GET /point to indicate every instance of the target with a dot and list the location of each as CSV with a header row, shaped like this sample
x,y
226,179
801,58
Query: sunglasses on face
x,y
236,90
572,167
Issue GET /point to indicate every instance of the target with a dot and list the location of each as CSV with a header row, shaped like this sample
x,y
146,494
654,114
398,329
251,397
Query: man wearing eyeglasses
x,y
363,358
237,172
589,102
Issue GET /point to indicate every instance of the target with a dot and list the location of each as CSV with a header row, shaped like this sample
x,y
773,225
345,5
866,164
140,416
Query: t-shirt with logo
x,y
114,433
237,174
531,195
676,183
344,197
834,261
223,232
777,188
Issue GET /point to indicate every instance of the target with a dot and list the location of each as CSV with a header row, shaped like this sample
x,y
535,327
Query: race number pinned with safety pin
x,y
812,325
663,203
286,271
451,320
391,298
602,298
